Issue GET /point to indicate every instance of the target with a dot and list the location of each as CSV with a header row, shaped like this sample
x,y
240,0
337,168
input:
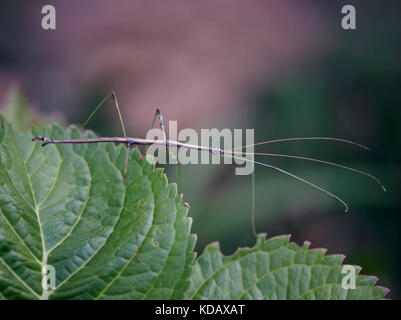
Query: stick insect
x,y
233,153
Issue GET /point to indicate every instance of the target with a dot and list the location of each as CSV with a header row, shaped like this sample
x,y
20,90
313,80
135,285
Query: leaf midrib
x,y
44,253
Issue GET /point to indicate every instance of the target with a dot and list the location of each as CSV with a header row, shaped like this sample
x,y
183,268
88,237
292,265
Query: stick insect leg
x,y
126,162
159,115
253,203
177,167
96,109
294,176
252,198
113,96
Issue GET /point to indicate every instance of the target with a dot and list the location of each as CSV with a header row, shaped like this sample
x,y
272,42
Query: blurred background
x,y
284,68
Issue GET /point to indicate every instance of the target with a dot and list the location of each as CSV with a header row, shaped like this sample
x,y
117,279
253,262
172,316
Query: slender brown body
x,y
129,141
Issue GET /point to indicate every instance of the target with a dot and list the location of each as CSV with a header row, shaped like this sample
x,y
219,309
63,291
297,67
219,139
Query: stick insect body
x,y
224,153
131,141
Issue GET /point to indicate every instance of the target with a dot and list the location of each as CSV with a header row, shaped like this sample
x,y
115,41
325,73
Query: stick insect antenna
x,y
305,138
314,160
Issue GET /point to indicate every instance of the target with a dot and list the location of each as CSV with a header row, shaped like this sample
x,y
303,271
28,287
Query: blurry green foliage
x,y
20,113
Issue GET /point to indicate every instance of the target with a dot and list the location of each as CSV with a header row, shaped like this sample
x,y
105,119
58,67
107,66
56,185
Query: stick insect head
x,y
45,140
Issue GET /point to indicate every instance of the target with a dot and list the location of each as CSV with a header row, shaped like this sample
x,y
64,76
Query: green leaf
x,y
67,206
276,269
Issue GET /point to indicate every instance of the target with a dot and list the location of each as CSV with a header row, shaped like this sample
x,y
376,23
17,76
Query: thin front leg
x,y
113,96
